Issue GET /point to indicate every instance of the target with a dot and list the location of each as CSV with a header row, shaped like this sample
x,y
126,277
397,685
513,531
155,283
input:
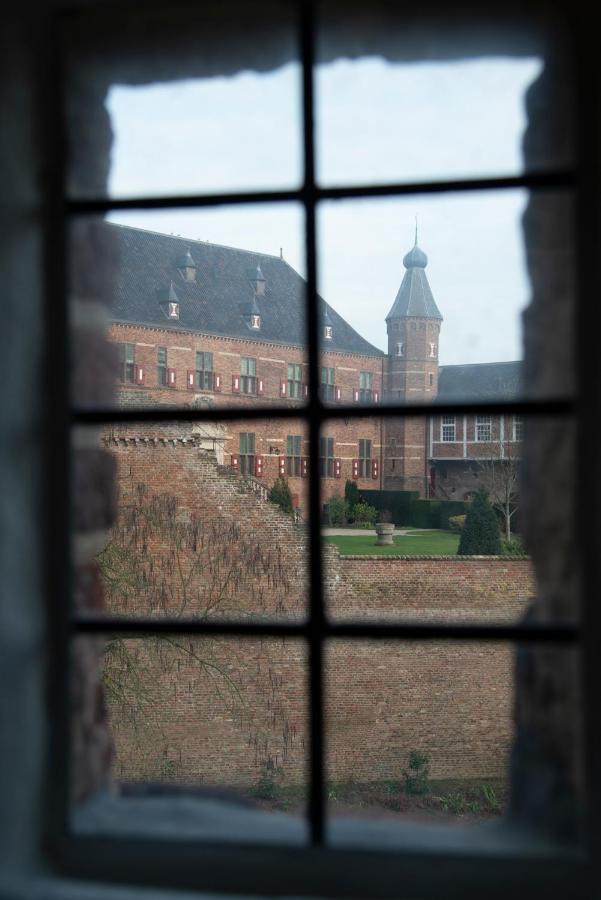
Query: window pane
x,y
423,732
217,725
446,318
158,289
188,112
203,520
435,102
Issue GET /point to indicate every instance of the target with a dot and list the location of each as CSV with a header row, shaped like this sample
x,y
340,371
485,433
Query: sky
x,y
375,122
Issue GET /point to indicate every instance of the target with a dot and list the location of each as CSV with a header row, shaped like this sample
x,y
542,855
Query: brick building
x,y
198,323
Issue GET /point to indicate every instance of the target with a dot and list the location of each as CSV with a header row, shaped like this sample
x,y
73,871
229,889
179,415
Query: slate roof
x,y
222,296
480,381
415,296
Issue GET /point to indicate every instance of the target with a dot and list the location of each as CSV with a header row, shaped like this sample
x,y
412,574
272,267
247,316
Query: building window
x,y
293,455
364,458
294,381
248,375
204,371
247,453
326,457
518,428
400,349
255,322
127,367
447,429
483,428
366,383
328,332
433,350
328,383
162,365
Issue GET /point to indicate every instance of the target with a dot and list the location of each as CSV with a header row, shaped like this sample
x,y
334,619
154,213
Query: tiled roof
x,y
480,381
414,297
219,301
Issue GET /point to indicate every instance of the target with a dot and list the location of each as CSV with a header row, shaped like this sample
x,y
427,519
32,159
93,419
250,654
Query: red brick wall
x,y
221,710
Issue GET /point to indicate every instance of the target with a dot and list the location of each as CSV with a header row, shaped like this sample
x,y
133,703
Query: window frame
x,y
246,458
162,366
213,863
125,363
483,422
294,442
294,387
364,458
444,439
204,378
248,380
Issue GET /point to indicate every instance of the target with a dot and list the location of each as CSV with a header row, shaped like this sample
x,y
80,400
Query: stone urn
x,y
385,533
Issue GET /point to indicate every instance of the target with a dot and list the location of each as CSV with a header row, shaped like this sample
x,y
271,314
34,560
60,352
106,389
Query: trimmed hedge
x,y
407,509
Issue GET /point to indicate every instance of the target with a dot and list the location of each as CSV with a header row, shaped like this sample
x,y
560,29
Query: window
x,y
293,455
248,375
128,367
247,453
400,348
204,371
326,457
483,428
518,428
432,350
447,428
162,366
328,390
366,380
294,381
365,458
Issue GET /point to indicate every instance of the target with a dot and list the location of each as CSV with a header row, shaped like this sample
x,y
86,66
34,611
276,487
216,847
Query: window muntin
x,y
204,370
328,382
326,457
517,429
247,453
248,375
364,458
483,428
366,384
447,429
295,387
162,366
127,370
293,455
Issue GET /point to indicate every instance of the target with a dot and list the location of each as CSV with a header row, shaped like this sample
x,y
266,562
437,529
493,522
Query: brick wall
x,y
222,710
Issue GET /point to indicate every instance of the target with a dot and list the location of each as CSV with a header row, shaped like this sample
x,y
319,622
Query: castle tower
x,y
413,327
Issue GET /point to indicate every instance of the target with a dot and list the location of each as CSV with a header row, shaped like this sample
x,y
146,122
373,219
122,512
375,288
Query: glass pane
x,y
202,736
451,733
405,97
188,107
202,520
447,521
442,307
148,281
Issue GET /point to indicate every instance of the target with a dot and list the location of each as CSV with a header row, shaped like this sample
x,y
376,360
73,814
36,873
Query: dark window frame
x,y
326,456
247,443
162,366
294,453
248,379
365,457
204,376
127,368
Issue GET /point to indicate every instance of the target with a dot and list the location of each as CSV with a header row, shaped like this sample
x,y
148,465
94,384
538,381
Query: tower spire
x,y
415,245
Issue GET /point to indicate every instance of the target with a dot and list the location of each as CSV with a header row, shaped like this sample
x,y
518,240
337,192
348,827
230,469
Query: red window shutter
x,y
235,462
171,377
236,384
355,468
356,395
282,465
190,379
337,394
376,396
258,466
337,468
375,468
139,375
283,388
260,387
217,382
304,467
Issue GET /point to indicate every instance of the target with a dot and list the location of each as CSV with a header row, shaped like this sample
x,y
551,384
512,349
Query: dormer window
x,y
187,267
255,322
173,310
328,332
400,349
259,283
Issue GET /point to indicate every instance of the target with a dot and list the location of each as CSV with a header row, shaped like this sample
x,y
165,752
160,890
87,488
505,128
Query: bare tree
x,y
500,478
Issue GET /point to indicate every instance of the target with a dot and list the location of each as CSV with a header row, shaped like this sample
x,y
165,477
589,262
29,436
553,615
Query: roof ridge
x,y
502,362
178,237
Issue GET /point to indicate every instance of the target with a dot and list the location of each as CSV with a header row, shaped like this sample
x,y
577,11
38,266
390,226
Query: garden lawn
x,y
416,543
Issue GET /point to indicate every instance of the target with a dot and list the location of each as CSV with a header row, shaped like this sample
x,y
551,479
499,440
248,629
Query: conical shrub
x,y
480,535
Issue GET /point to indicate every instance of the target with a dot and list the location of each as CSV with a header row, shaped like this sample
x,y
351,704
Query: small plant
x,y
512,547
490,797
416,779
364,514
453,803
280,495
456,523
336,510
267,787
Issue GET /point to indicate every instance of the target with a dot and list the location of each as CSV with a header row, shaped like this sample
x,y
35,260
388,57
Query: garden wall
x,y
229,710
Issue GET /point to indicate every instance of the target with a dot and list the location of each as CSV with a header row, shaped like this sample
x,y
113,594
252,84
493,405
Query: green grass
x,y
417,543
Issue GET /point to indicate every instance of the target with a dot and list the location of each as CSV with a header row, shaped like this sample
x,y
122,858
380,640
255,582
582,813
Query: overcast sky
x,y
375,122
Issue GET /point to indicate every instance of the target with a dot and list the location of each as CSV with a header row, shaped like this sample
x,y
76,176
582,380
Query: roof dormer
x,y
328,326
169,303
187,267
259,282
253,316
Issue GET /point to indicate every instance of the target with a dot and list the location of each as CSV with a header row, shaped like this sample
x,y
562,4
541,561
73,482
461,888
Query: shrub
x,y
416,779
336,510
480,535
512,547
456,523
281,496
364,514
351,494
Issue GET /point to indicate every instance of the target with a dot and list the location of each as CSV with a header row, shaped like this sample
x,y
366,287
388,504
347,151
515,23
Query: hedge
x,y
407,509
